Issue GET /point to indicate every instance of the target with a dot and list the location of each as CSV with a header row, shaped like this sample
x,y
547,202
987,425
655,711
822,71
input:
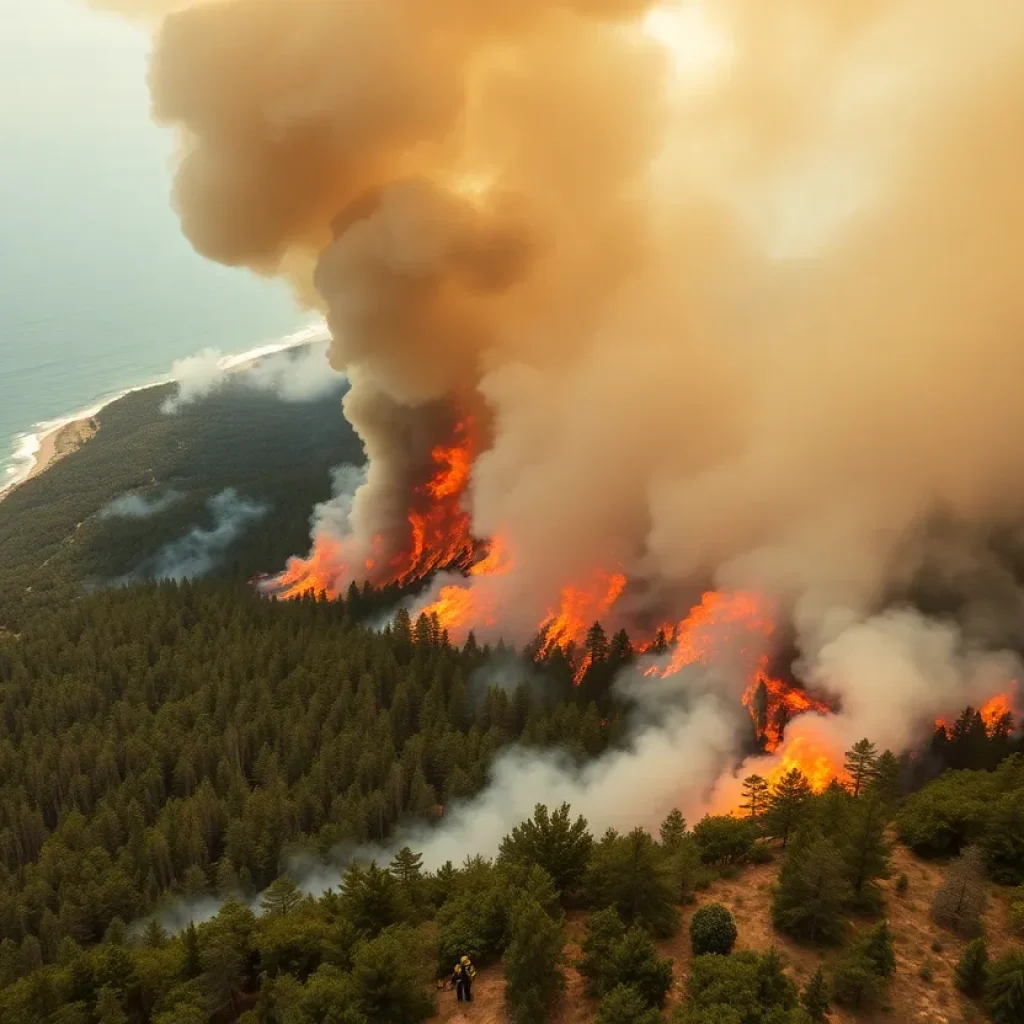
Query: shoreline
x,y
50,441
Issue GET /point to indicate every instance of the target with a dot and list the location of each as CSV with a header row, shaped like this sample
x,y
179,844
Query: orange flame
x,y
992,712
741,624
457,607
579,608
815,761
439,532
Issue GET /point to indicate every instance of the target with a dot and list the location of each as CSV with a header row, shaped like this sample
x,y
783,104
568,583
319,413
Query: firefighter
x,y
468,974
456,981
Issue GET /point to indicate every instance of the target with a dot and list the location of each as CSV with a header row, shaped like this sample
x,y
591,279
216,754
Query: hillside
x,y
53,538
917,938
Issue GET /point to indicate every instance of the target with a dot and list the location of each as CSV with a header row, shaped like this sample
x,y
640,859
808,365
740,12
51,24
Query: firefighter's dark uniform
x,y
462,980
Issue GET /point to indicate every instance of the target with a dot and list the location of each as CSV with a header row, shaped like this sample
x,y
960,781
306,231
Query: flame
x,y
992,711
578,609
722,620
740,625
816,761
439,533
460,608
782,703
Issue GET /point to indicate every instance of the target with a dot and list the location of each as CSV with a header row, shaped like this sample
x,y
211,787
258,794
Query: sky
x,y
98,289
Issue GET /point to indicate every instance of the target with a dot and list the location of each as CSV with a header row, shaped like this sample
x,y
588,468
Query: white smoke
x,y
138,506
292,376
201,549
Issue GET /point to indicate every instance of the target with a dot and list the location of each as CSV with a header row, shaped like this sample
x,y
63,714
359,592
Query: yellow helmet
x,y
464,960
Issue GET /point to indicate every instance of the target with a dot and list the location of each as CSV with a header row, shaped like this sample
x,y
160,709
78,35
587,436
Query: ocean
x,y
99,291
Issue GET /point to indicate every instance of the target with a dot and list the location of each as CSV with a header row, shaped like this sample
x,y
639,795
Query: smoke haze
x,y
202,548
293,376
138,506
750,326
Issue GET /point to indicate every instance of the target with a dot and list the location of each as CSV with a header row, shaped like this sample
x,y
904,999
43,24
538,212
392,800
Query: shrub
x,y
744,988
815,998
926,972
1017,917
723,839
1004,990
855,983
972,970
625,1005
712,930
902,884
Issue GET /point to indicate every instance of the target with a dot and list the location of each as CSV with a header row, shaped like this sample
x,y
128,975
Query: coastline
x,y
49,442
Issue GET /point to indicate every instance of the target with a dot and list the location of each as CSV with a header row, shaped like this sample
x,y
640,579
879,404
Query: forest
x,y
186,750
191,743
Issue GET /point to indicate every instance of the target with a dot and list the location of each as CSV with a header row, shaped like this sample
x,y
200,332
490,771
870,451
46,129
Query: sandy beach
x,y
68,436
62,441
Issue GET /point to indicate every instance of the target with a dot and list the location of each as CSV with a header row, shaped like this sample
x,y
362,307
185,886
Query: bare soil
x,y
911,1000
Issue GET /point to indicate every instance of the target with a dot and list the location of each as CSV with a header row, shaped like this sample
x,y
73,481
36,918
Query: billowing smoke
x,y
302,375
747,319
203,547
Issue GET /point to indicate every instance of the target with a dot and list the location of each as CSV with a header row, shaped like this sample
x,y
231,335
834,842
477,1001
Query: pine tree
x,y
861,765
865,848
756,793
887,784
673,830
108,1007
1004,989
972,969
788,805
814,998
282,897
407,867
878,948
812,888
155,937
554,842
604,932
191,960
960,900
371,899
633,874
534,980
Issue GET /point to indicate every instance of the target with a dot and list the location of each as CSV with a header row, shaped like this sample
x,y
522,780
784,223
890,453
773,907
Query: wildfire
x,y
439,534
739,624
458,607
772,703
816,762
579,608
993,712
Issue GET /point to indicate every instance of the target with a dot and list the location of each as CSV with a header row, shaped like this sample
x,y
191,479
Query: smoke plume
x,y
749,323
138,506
292,376
201,549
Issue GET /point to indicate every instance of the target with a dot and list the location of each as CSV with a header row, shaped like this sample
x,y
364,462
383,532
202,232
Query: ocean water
x,y
99,292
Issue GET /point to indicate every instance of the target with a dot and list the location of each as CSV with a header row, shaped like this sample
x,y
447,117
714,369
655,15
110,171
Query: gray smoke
x,y
138,506
202,548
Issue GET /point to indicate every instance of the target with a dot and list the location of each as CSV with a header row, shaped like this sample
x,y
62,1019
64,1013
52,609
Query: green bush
x,y
855,982
723,839
902,884
740,989
972,969
625,1005
1004,990
712,930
